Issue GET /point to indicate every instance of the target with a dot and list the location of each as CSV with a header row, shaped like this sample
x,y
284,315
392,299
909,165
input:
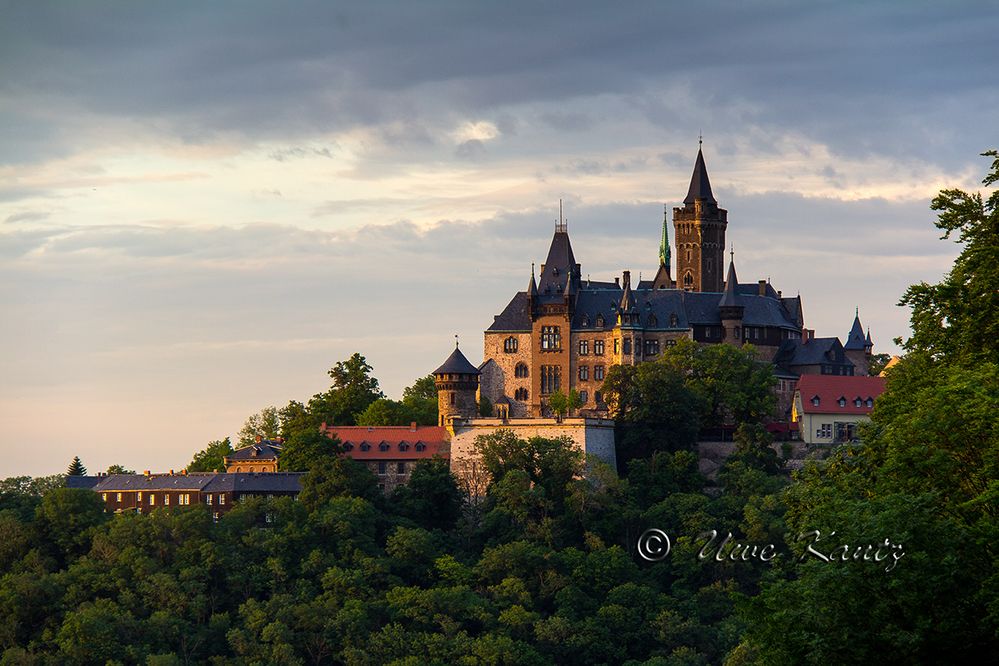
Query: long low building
x,y
143,493
391,452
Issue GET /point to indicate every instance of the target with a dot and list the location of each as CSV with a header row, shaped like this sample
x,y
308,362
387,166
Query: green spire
x,y
664,255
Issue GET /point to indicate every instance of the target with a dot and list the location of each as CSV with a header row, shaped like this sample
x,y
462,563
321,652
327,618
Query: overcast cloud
x,y
205,206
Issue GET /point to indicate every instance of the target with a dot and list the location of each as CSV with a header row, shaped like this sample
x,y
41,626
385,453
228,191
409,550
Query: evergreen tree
x,y
76,468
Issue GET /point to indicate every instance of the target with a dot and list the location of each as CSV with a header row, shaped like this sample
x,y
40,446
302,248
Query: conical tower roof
x,y
700,186
731,283
456,364
856,339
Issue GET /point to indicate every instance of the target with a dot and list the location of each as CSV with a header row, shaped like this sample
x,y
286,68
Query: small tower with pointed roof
x,y
858,346
457,381
663,279
729,309
699,228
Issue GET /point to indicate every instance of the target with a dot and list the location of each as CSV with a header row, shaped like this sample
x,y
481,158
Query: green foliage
x,y
307,449
119,469
76,468
878,363
385,412
265,424
353,389
211,458
431,498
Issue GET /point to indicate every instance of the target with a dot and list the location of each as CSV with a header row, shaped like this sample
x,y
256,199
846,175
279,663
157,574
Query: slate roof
x,y
816,351
250,482
700,186
84,482
729,298
264,450
559,265
114,482
830,388
690,307
856,338
457,364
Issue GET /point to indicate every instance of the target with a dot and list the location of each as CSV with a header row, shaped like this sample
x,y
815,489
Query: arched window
x,y
510,345
521,370
383,446
520,394
688,279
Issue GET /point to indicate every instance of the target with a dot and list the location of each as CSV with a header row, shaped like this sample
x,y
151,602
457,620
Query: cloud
x,y
27,216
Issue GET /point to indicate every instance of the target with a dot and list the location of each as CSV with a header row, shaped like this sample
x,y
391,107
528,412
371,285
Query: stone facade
x,y
592,436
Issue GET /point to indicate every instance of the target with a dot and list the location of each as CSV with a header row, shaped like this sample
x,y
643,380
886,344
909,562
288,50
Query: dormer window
x,y
869,402
420,446
857,402
585,322
600,321
348,447
383,446
403,446
674,321
815,401
365,446
842,401
653,321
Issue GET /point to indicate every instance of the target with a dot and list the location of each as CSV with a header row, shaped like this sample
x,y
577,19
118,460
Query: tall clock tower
x,y
700,235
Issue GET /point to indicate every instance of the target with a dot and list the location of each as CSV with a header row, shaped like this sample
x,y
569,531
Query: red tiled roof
x,y
830,388
434,439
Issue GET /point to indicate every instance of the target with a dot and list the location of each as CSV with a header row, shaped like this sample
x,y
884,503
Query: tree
x,y
76,468
877,364
306,450
385,412
421,400
352,391
119,469
265,424
211,459
431,498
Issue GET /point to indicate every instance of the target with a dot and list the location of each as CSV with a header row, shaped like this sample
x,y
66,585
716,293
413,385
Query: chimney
x,y
259,438
807,334
146,472
763,287
780,294
617,282
627,279
171,472
184,472
412,426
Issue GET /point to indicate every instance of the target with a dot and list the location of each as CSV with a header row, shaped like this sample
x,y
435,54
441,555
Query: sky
x,y
205,206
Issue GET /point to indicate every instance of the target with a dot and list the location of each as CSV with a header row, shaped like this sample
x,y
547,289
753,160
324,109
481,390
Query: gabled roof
x,y
195,481
250,482
515,316
263,450
700,186
830,388
456,364
84,482
435,439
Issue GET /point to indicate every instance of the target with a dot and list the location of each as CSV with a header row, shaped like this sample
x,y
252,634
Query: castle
x,y
563,332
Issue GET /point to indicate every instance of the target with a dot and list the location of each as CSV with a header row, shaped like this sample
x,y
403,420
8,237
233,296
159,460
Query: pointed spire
x,y
627,298
870,343
731,283
856,338
532,288
664,254
700,186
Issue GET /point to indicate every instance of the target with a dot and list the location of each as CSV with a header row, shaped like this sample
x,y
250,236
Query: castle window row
x,y
520,394
510,345
551,379
551,338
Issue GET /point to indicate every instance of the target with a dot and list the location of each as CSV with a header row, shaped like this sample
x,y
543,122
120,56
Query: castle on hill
x,y
563,332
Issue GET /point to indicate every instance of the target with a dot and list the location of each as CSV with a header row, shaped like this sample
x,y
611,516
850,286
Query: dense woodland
x,y
544,569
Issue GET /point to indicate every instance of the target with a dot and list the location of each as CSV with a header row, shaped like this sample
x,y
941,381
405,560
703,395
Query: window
x,y
551,379
420,446
825,431
584,347
670,343
869,402
404,446
521,370
598,372
688,279
598,397
166,499
584,373
383,446
185,499
651,347
841,401
582,397
598,347
400,468
209,500
348,446
653,322
452,398
138,497
118,498
221,498
381,467
365,446
510,345
857,402
815,401
600,321
617,346
627,345
520,394
551,339
152,499
674,321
